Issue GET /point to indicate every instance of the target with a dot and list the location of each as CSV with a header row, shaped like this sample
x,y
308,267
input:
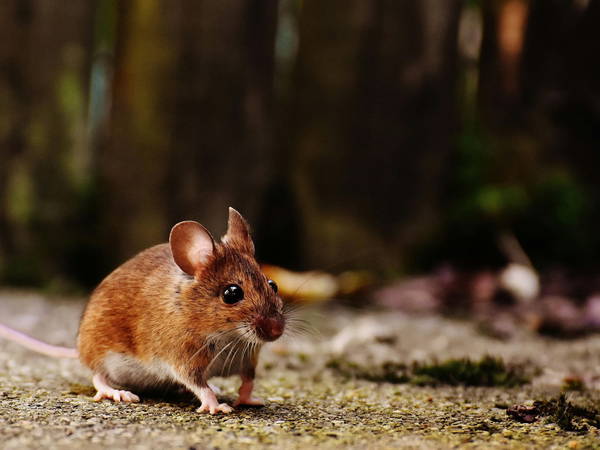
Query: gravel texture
x,y
46,403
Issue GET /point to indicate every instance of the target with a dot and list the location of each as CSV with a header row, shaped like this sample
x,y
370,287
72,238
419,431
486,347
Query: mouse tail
x,y
37,346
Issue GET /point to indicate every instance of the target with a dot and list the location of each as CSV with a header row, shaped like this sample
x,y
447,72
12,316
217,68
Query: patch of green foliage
x,y
488,371
504,183
563,412
573,384
566,415
389,372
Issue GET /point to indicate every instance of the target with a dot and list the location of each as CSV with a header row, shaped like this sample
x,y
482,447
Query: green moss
x,y
488,371
573,384
388,372
568,416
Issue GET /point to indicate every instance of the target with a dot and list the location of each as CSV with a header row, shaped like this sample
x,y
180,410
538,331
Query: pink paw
x,y
215,408
104,390
116,395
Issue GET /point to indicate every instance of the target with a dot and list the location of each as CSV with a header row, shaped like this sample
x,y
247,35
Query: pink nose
x,y
269,328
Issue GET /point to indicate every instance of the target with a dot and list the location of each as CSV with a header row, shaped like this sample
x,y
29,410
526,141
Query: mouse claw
x,y
214,409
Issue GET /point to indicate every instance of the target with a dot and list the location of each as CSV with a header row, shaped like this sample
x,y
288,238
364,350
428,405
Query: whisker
x,y
295,333
235,343
296,325
237,349
216,356
249,344
244,349
302,327
211,339
241,340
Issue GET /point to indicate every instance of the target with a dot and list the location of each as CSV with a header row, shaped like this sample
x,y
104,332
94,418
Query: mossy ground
x,y
45,403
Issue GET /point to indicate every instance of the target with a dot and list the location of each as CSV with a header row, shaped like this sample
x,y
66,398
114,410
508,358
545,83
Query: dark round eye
x,y
273,285
232,294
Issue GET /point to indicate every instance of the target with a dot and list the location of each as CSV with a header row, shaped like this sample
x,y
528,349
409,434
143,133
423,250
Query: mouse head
x,y
228,291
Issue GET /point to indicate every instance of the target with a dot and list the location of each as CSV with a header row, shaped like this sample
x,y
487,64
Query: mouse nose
x,y
269,328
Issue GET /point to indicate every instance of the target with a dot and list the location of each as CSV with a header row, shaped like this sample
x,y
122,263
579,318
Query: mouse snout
x,y
269,328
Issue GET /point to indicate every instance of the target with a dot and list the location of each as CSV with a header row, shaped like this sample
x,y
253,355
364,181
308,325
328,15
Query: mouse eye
x,y
232,294
273,285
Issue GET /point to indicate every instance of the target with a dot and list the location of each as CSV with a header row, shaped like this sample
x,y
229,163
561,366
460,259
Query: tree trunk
x,y
44,60
221,123
133,164
191,117
375,84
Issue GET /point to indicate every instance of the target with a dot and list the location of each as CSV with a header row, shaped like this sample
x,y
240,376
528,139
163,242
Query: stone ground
x,y
46,403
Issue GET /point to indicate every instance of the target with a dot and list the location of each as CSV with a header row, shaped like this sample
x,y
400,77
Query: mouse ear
x,y
238,233
191,245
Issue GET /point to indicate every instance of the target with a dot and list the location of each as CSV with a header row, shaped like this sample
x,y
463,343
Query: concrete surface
x,y
46,403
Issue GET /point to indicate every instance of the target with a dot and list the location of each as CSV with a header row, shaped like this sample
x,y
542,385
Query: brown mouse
x,y
177,314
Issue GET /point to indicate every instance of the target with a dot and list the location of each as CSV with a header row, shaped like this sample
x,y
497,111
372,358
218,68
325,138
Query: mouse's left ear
x,y
238,233
192,245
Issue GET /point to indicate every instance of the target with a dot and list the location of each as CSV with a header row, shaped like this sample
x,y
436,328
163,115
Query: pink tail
x,y
37,346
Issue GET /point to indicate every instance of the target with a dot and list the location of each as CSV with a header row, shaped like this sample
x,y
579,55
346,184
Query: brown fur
x,y
149,308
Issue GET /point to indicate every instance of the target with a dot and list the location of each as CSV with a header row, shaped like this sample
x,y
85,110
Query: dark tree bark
x,y
133,164
15,23
562,78
375,84
191,121
44,63
501,62
554,104
221,108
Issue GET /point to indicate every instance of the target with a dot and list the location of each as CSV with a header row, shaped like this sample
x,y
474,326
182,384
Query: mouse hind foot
x,y
104,390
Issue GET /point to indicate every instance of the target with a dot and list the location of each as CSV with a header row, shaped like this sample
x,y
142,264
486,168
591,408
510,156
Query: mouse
x,y
177,314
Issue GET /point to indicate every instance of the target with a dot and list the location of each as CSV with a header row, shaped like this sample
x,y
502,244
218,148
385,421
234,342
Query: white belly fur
x,y
131,373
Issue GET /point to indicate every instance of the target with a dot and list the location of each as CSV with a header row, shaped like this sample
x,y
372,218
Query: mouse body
x,y
179,313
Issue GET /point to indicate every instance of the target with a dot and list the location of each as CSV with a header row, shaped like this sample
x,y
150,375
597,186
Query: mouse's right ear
x,y
191,245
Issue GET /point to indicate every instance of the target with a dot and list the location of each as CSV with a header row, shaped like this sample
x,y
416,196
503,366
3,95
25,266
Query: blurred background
x,y
451,144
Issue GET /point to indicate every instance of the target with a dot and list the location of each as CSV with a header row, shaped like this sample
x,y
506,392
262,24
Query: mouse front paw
x,y
209,402
245,394
215,408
